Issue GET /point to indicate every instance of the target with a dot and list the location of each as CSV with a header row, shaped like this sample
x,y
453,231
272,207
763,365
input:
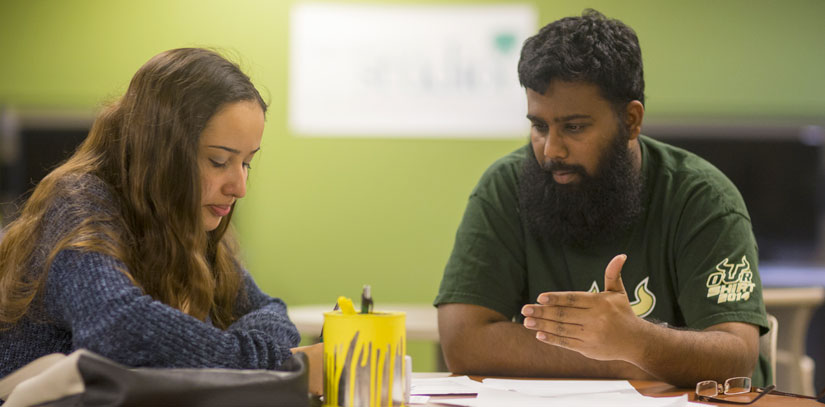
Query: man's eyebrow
x,y
534,118
571,117
232,150
560,119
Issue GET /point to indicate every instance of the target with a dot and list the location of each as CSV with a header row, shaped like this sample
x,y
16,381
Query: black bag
x,y
87,379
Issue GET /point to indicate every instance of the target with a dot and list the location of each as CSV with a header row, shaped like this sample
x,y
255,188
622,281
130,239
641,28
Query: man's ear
x,y
634,113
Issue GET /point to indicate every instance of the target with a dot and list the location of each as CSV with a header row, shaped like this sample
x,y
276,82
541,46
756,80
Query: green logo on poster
x,y
505,42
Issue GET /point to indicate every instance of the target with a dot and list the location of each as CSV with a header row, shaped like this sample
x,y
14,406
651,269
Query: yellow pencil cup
x,y
364,359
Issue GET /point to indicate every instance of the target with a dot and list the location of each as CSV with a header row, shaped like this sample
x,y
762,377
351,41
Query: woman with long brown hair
x,y
126,249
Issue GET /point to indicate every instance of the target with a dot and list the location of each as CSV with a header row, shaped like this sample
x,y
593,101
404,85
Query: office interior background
x,y
326,215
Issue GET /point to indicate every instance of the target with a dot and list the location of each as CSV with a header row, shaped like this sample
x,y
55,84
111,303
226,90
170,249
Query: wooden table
x,y
661,389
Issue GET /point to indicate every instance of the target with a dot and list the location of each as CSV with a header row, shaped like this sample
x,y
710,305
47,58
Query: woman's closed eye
x,y
217,164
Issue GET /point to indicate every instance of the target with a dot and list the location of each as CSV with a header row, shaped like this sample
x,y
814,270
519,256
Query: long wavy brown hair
x,y
144,148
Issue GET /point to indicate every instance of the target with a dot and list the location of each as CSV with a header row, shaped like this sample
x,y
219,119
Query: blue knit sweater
x,y
88,303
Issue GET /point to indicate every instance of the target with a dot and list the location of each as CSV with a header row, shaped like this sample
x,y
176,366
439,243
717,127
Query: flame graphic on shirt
x,y
645,300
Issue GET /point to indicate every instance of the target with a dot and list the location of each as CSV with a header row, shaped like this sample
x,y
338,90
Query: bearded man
x,y
595,251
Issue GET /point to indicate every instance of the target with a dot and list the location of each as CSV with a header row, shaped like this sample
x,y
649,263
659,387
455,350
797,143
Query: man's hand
x,y
315,355
600,326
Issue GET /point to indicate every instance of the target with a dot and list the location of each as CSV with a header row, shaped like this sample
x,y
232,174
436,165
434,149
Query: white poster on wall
x,y
360,70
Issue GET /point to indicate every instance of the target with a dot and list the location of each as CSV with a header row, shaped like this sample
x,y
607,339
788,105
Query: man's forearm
x,y
683,357
508,349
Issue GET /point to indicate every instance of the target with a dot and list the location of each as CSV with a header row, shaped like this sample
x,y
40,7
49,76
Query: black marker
x,y
366,300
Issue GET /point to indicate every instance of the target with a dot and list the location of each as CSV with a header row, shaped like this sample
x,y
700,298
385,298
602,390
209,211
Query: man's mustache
x,y
551,166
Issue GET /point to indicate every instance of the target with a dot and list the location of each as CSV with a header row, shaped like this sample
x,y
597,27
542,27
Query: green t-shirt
x,y
691,255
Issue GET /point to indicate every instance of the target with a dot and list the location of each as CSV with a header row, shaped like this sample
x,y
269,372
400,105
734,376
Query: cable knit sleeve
x,y
107,314
262,312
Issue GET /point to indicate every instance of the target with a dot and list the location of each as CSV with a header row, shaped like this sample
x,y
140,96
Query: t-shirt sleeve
x,y
487,264
717,264
86,294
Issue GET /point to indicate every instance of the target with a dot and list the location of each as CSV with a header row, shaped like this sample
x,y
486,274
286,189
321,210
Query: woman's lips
x,y
220,210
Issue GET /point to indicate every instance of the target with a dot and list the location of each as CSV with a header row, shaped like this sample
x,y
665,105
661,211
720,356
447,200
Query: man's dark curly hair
x,y
591,48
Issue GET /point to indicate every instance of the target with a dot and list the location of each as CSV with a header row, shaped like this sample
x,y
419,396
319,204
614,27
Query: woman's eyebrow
x,y
232,150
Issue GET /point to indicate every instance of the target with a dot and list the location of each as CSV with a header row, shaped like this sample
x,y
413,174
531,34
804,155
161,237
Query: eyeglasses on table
x,y
709,390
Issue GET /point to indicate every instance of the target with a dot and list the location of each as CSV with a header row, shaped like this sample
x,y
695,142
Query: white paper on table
x,y
490,397
419,399
463,402
560,387
444,386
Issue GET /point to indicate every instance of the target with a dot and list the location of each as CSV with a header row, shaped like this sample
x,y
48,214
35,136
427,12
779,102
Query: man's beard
x,y
594,209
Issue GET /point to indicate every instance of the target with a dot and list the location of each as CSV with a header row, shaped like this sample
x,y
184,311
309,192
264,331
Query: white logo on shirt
x,y
731,282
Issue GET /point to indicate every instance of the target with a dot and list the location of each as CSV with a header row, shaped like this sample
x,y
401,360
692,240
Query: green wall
x,y
324,216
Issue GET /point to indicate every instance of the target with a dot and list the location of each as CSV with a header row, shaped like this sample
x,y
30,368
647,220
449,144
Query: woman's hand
x,y
315,354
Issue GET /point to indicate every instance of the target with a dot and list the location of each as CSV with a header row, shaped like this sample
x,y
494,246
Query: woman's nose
x,y
235,185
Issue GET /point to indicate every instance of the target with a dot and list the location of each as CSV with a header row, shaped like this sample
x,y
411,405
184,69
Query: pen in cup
x,y
346,305
366,300
347,308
